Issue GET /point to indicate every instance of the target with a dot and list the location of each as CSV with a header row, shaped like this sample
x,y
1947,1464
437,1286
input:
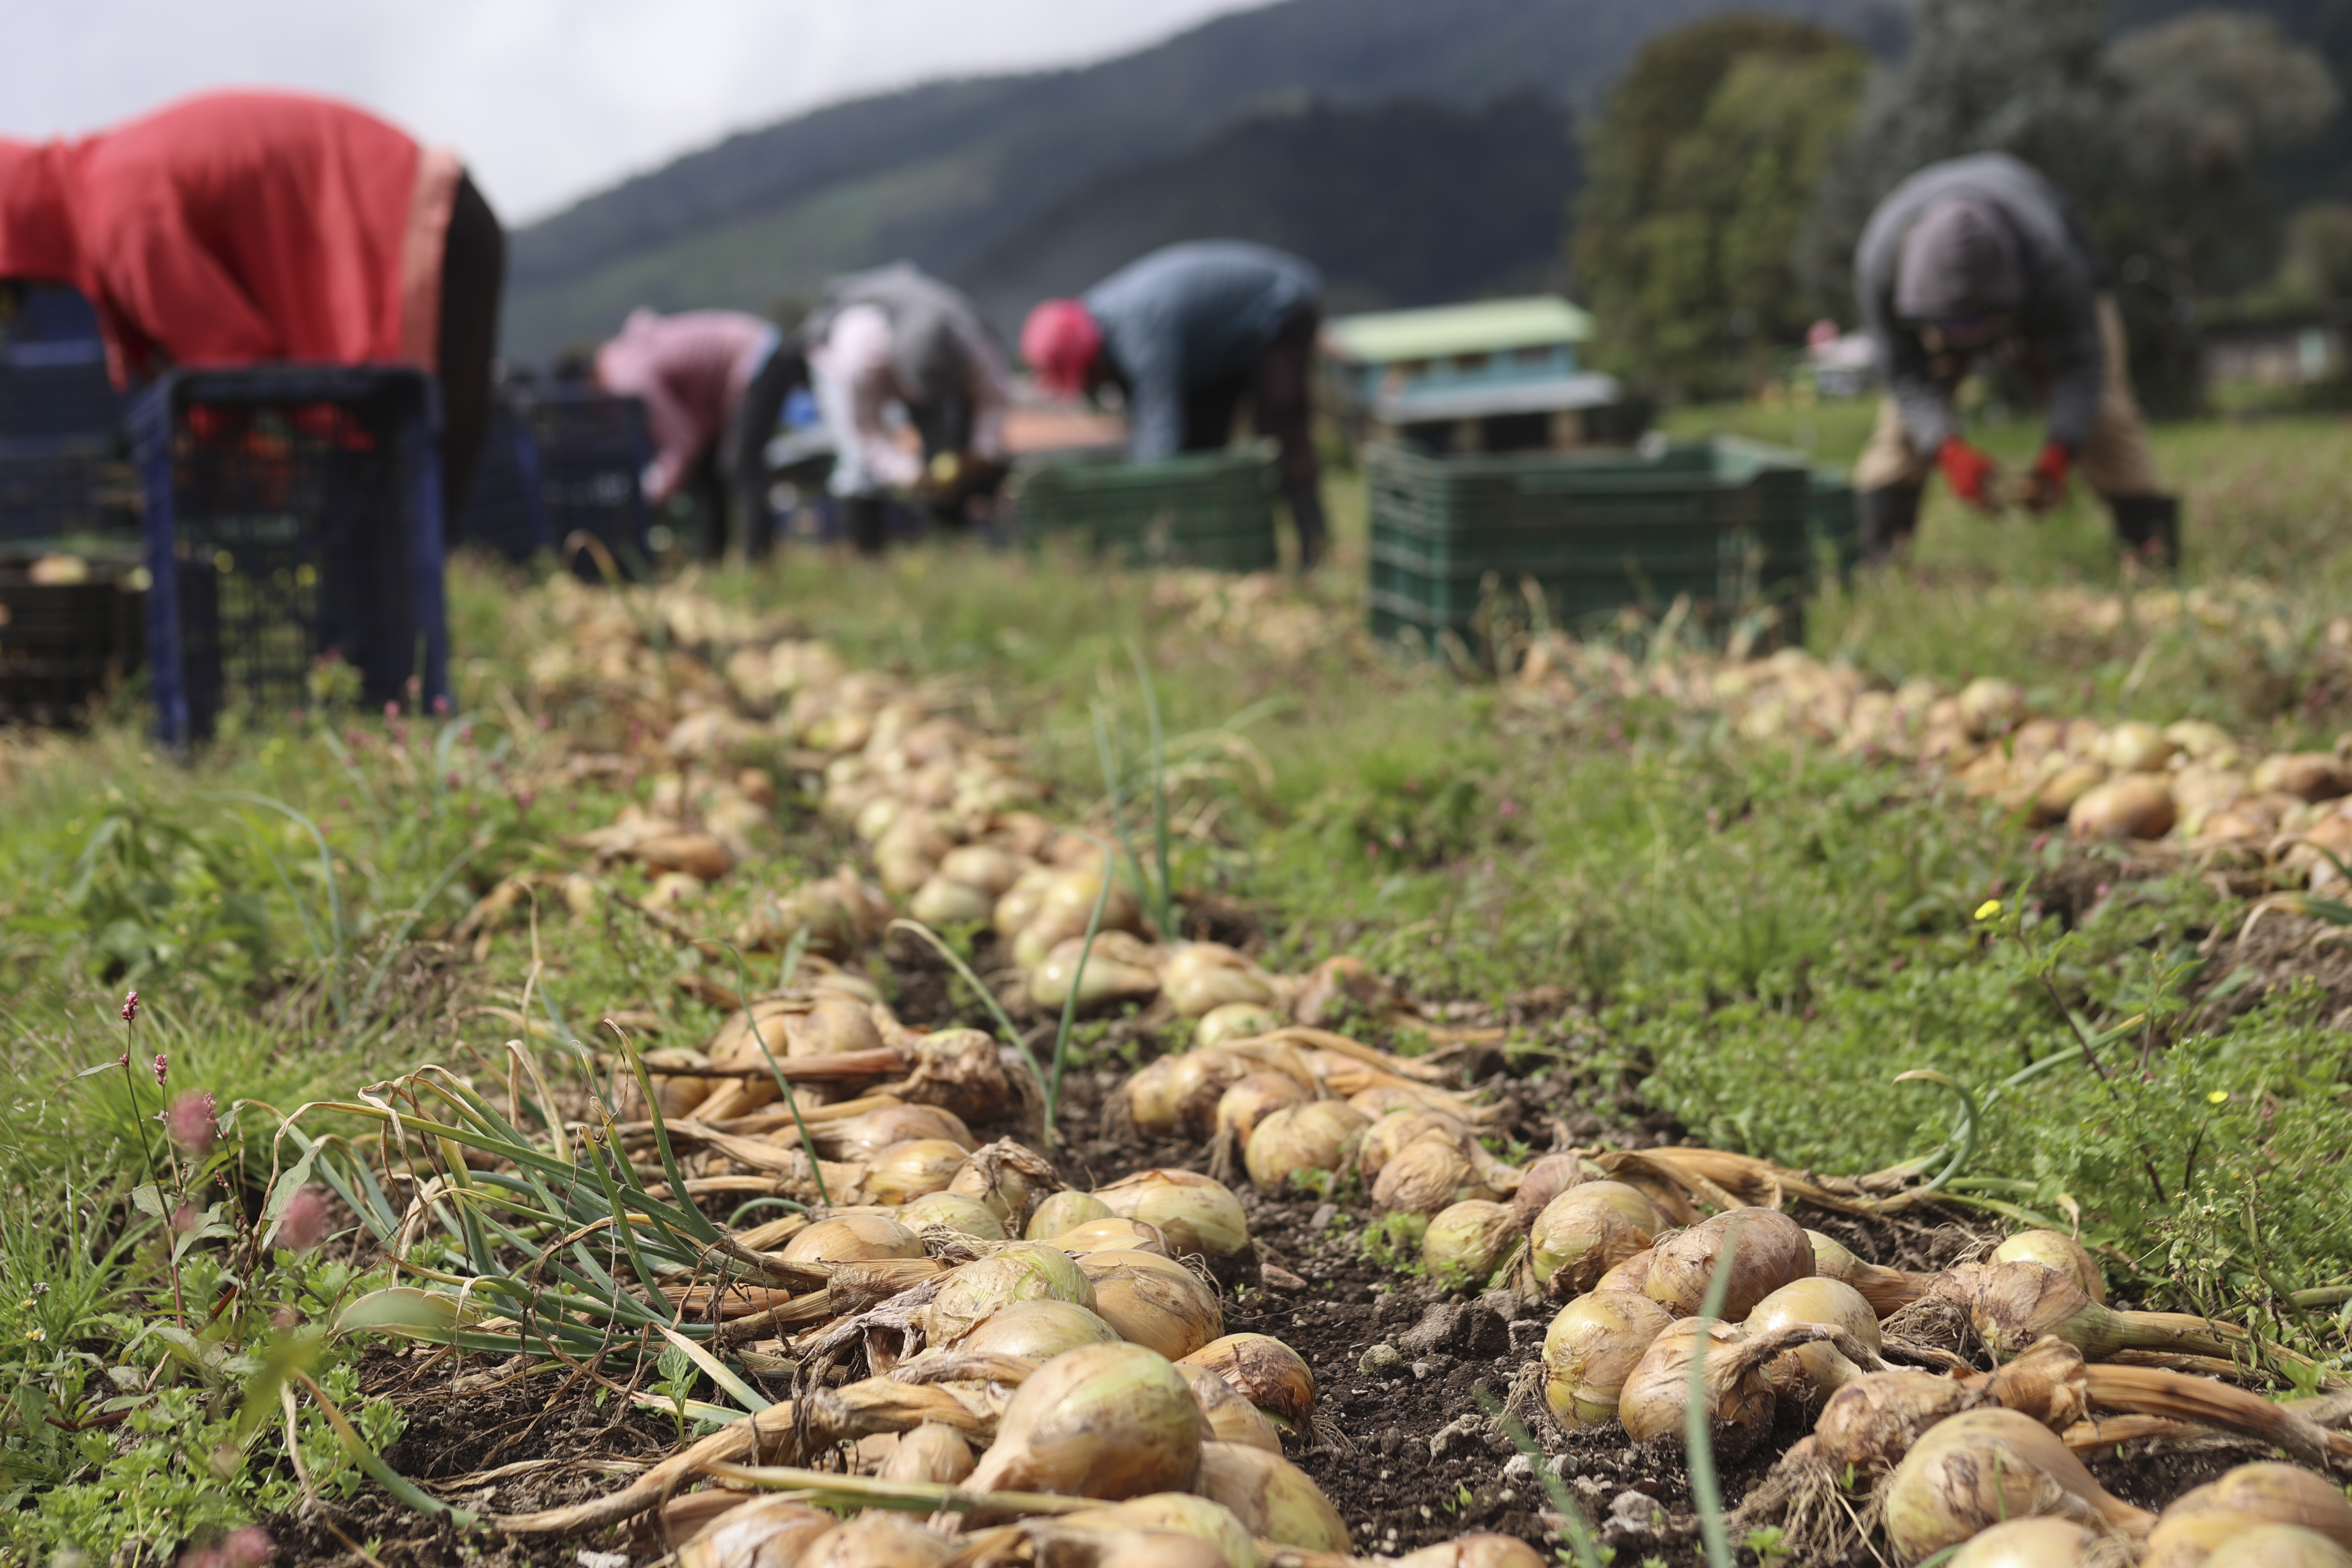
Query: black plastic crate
x,y
64,645
504,511
53,379
592,452
293,513
61,489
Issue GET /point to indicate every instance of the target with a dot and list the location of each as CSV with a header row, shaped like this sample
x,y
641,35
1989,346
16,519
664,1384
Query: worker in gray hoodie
x,y
1980,256
1187,332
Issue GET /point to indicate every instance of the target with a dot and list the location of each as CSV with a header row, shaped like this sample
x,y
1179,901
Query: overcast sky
x,y
547,100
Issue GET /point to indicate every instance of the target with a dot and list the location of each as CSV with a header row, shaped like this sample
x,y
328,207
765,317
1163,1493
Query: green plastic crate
x,y
1835,523
1725,522
1212,509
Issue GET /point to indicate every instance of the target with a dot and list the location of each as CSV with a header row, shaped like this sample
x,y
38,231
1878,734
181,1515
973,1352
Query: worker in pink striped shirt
x,y
713,383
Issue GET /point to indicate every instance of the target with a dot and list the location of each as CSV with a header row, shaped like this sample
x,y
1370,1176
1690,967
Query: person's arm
x,y
2076,358
678,440
991,390
1154,364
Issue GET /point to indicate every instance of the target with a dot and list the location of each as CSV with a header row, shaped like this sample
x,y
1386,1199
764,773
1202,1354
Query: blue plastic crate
x,y
292,512
592,452
504,509
53,379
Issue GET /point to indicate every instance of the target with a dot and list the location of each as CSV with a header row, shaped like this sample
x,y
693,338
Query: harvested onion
x,y
1870,1424
755,1534
1200,976
1465,1241
1178,1513
1037,1330
1425,1175
1542,1182
1273,1499
2054,1249
1481,1551
1263,1370
1251,1098
1062,1211
1230,1419
1112,1233
1820,1369
1196,1212
1980,1467
1236,1021
1592,1345
1587,1230
853,1238
1018,1271
1294,1141
932,1452
2279,1546
1738,1401
954,1211
1108,1421
1770,1250
914,1169
877,1539
2027,1544
1165,1307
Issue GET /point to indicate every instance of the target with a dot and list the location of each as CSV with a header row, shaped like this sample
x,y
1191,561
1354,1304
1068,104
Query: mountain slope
x,y
956,172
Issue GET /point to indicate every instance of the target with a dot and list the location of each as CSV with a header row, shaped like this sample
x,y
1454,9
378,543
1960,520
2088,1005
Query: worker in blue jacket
x,y
1185,333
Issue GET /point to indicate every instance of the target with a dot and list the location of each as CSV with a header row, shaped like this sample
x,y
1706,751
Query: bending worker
x,y
1980,256
1185,333
238,228
896,336
713,383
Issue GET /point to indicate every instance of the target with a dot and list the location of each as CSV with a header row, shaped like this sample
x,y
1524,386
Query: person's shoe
x,y
2148,529
1886,519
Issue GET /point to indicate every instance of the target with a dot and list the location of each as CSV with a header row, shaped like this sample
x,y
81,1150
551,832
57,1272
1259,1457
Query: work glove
x,y
2045,487
1969,473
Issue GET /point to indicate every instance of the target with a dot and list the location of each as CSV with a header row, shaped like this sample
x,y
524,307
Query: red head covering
x,y
1060,341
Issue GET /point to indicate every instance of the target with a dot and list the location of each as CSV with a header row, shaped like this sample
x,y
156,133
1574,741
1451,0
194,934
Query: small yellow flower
x,y
1989,909
2218,1097
34,1334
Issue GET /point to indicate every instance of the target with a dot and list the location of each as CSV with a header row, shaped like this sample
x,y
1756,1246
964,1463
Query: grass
x,y
1754,939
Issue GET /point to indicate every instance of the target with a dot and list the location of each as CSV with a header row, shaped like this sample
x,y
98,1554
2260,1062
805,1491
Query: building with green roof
x,y
1494,376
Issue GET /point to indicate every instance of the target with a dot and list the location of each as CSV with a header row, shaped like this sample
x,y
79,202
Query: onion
x,y
942,901
1065,1210
1263,1370
1230,1419
1990,706
2138,805
1152,1302
2014,1304
877,1539
2307,775
761,1534
1870,1424
1019,904
1251,1098
835,1026
1039,1330
1273,1499
1738,1401
1019,1272
1197,1081
1178,1513
1340,986
983,865
967,1216
865,1137
1116,968
1300,1139
1630,1275
2056,797
1482,1551
2279,1546
2280,1494
1108,1421
1425,1175
1113,1234
1822,1368
1236,1021
1586,1230
2135,746
1465,1241
853,1238
917,1168
2185,1535
1592,1345
1542,1182
1200,976
932,1452
2026,1544
1196,1212
1770,1250
1391,1130
1973,1470
2053,1249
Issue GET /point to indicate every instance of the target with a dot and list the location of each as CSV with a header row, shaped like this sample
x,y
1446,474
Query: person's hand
x,y
2045,486
1970,473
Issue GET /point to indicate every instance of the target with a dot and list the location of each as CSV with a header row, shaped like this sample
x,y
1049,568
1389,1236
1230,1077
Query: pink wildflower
x,y
192,1123
303,1225
130,1006
248,1548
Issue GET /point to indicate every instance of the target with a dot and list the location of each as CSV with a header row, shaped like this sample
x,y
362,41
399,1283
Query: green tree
x,y
1702,166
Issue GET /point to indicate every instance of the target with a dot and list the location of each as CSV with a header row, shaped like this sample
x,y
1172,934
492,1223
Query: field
x,y
1641,922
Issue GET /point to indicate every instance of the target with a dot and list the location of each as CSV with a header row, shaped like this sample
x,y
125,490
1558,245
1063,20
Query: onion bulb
x,y
1230,1419
932,1452
1250,1099
2013,1304
2054,1249
1971,1471
2279,1546
853,1238
1236,1021
1299,1139
1273,1499
914,1169
1175,1513
2027,1544
1196,1212
1870,1424
1018,1271
1037,1330
1113,1234
944,902
1017,906
1482,1551
2278,1494
1200,976
877,1539
1116,968
865,1137
1165,1307
1391,1129
2137,806
1465,1241
1109,1421
1542,1182
1630,1275
966,1215
1263,1370
1425,1175
757,1534
1818,1369
1586,1230
1592,1345
1154,1096
1008,1178
1770,1250
1065,1210
1657,1391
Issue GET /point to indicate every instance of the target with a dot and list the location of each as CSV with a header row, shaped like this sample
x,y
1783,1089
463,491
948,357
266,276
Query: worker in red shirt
x,y
238,228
